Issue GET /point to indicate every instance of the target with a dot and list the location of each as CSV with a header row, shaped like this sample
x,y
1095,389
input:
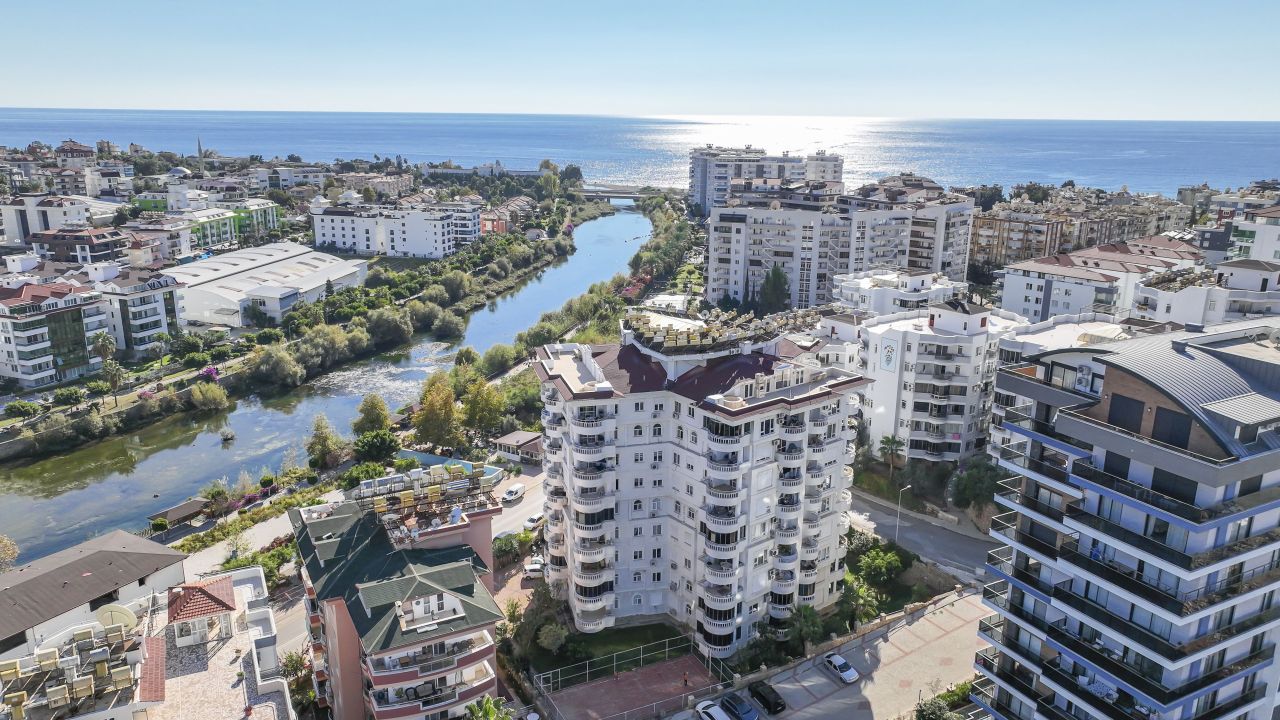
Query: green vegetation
x,y
271,558
376,446
244,520
976,484
68,396
372,415
22,408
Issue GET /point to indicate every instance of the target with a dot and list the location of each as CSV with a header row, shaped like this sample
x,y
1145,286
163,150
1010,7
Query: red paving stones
x,y
662,681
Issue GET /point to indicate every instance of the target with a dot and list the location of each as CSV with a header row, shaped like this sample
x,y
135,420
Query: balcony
x,y
1240,505
588,550
717,595
592,602
790,478
722,550
590,420
725,439
1004,526
720,516
789,508
592,449
1156,548
725,570
782,532
1010,493
1017,420
592,574
426,664
1032,467
724,492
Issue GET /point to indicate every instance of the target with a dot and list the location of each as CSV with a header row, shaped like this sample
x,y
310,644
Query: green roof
x,y
348,556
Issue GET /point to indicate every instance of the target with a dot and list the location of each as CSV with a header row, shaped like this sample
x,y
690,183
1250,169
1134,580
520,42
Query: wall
x,y
1129,385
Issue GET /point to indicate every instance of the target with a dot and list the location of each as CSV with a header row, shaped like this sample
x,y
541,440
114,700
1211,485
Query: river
x,y
50,504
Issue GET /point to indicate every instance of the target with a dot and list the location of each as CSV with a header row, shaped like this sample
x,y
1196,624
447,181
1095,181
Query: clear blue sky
x,y
1066,59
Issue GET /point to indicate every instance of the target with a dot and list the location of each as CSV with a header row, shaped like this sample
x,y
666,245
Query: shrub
x,y
268,336
377,445
98,387
159,525
449,325
220,353
208,396
196,359
552,636
68,395
403,465
879,566
21,408
266,481
361,472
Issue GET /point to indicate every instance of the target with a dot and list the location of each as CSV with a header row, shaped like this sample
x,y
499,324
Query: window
x,y
638,482
638,457
657,482
690,514
657,529
637,505
657,553
637,600
678,507
637,531
637,577
637,554
657,577
657,407
655,504
657,456
637,431
657,430
12,642
640,407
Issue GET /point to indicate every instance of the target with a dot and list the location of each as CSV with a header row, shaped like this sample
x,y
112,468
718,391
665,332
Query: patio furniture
x,y
121,678
82,688
115,633
9,670
57,695
82,634
47,659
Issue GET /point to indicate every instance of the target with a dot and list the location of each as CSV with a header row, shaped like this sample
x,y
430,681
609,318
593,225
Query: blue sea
x,y
1143,156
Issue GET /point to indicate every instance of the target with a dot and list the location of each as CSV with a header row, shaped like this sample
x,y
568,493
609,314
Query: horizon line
x,y
685,117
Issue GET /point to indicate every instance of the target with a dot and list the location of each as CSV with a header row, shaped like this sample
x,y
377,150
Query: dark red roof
x,y
202,599
720,375
33,293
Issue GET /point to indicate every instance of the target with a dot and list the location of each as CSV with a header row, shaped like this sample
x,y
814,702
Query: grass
x,y
604,643
875,480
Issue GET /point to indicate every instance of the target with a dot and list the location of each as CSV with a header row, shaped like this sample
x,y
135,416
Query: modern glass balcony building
x,y
1141,547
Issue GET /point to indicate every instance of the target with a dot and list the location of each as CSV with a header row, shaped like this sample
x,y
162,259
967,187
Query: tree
x,y
293,665
775,294
114,375
293,158
552,636
379,445
103,344
466,355
68,396
22,408
804,624
8,552
547,164
449,325
368,195
482,407
208,396
891,446
934,709
486,708
456,283
373,415
325,447
879,566
434,422
389,326
275,365
571,175
858,601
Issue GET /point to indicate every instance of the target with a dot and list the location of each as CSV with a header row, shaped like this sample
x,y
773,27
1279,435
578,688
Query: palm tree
x,y
104,345
891,446
486,708
805,624
114,374
859,601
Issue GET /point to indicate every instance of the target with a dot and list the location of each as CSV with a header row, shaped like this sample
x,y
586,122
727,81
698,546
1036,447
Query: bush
x,y
449,325
266,481
98,387
68,395
361,472
22,408
159,525
221,353
269,336
196,360
879,566
274,365
552,636
208,396
378,445
403,465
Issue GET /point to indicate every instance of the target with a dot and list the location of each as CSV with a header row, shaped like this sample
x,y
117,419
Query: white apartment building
x,y
1257,236
45,332
26,214
888,290
283,178
1234,290
390,185
932,372
1105,276
909,221
694,472
714,170
424,231
745,243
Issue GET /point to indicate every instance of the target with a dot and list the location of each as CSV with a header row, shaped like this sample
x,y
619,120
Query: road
x,y
910,661
514,514
956,551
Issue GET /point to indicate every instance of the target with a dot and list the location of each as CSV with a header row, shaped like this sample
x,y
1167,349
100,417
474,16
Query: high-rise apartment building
x,y
693,473
714,170
887,290
422,231
1141,556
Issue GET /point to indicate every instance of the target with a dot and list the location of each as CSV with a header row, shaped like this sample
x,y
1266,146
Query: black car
x,y
768,698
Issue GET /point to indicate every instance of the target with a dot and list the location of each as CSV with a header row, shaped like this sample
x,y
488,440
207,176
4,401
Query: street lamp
x,y
898,523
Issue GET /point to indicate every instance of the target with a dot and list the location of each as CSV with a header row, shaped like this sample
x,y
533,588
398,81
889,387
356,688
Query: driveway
x,y
900,667
514,514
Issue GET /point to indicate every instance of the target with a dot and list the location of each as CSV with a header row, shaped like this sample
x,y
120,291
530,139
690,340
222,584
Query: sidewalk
x,y
964,527
256,537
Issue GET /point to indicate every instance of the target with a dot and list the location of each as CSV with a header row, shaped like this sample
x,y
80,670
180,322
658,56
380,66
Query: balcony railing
x,y
1049,470
1004,525
1018,417
1085,470
1011,493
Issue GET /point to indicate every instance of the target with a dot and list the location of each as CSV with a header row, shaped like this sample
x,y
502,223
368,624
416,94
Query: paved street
x,y
900,666
961,552
514,514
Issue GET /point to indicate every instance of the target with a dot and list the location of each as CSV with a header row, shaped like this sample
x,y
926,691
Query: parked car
x,y
738,707
708,710
535,568
513,493
768,698
535,521
840,667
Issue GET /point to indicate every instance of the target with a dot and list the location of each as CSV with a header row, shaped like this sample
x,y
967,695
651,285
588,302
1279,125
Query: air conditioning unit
x,y
654,466
673,565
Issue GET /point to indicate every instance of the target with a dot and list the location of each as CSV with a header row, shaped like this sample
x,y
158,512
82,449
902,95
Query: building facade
x,y
1138,568
46,331
888,290
1234,290
422,231
26,214
693,477
81,245
714,170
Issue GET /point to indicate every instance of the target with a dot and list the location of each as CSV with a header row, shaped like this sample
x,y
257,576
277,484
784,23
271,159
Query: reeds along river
x,y
55,502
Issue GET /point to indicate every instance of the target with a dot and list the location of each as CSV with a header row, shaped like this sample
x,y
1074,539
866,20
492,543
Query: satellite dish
x,y
113,614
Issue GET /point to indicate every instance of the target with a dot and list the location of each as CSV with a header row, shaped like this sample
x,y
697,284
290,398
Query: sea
x,y
1142,156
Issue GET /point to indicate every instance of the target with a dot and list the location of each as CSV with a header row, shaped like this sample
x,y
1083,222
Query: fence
x,y
610,665
671,705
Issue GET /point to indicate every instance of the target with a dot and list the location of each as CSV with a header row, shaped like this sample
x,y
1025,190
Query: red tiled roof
x,y
33,293
202,599
151,684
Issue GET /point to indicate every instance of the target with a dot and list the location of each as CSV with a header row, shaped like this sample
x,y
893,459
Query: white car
x,y
535,568
513,493
535,521
840,667
707,710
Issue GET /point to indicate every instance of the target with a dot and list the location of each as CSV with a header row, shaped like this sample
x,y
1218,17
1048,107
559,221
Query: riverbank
x,y
63,429
50,503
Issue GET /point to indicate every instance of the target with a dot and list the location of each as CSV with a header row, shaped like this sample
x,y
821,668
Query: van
x,y
513,493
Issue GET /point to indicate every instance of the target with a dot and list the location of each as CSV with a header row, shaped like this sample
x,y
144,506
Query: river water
x,y
56,502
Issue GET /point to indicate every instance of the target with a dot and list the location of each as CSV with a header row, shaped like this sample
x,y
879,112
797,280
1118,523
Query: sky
x,y
1081,59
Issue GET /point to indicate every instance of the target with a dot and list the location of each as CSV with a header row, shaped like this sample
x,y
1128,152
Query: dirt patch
x,y
935,580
